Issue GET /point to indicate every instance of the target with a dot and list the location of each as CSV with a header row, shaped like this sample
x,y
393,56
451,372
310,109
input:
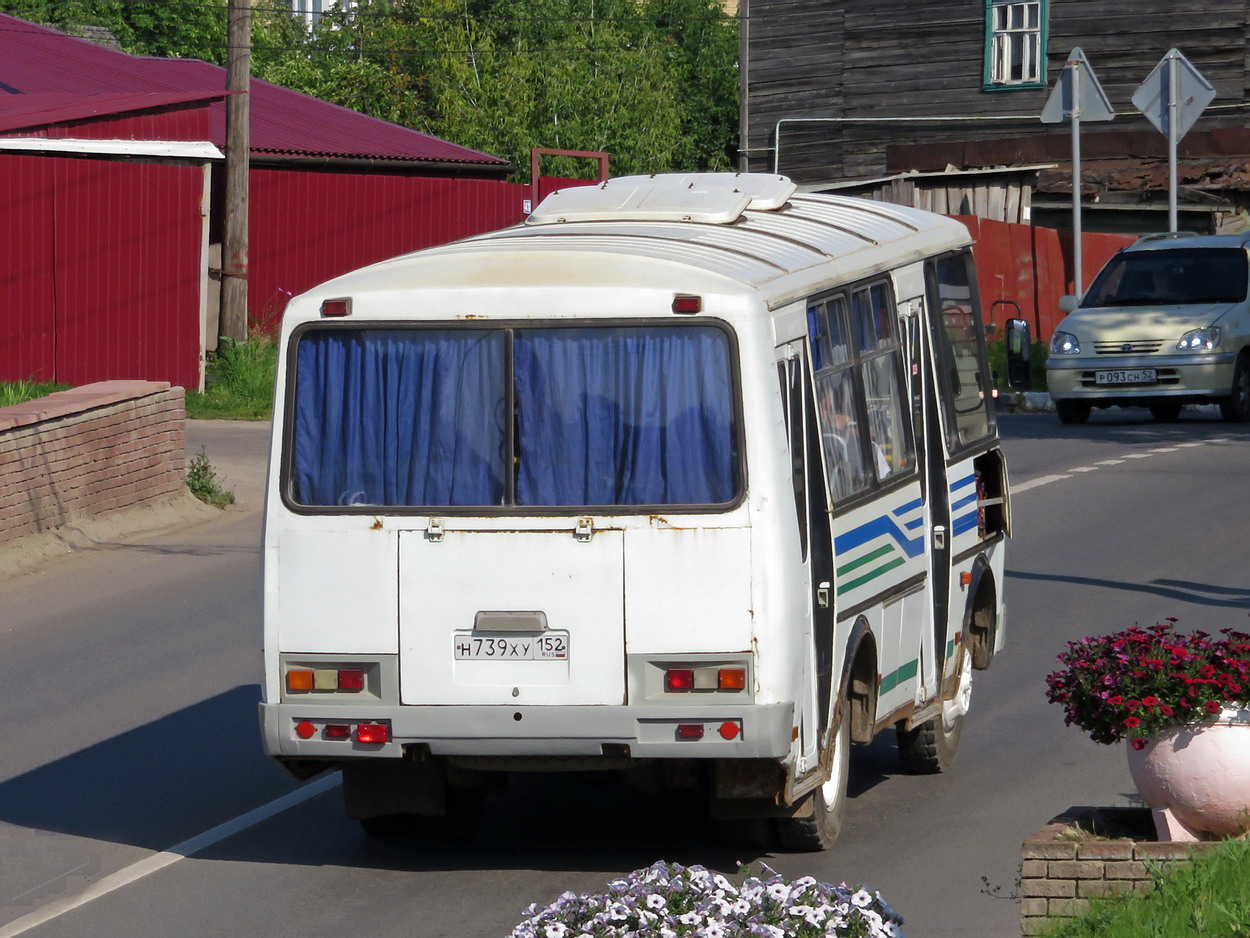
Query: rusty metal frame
x,y
536,152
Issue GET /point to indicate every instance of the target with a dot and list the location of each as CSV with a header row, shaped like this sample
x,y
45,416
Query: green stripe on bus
x,y
870,575
867,558
950,648
900,674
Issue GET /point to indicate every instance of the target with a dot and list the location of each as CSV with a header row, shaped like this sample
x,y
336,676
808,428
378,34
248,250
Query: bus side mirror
x,y
1018,355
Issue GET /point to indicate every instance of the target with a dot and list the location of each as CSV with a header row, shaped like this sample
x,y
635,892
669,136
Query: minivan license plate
x,y
550,646
1135,376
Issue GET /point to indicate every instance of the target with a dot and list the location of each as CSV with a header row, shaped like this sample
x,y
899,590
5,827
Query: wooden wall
x,y
923,60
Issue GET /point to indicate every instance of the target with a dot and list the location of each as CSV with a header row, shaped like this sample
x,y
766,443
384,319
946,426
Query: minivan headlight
x,y
1064,343
1199,340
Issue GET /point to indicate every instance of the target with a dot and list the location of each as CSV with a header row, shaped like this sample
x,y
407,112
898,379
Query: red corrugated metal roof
x,y
35,60
24,111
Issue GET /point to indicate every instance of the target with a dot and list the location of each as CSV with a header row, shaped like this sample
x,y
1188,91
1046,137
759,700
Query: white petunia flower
x,y
655,901
861,899
556,930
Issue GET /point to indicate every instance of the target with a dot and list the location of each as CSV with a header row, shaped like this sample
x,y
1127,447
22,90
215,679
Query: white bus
x,y
695,476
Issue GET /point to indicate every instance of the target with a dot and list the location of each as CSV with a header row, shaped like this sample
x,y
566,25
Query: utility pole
x,y
238,151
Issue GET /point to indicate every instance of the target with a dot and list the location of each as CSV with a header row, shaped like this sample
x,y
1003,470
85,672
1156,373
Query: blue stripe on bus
x,y
912,547
903,509
966,480
964,523
911,525
966,500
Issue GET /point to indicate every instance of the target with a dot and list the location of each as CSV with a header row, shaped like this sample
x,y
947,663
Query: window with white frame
x,y
1015,43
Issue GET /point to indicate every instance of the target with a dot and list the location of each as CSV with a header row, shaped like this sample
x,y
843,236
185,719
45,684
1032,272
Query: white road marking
x,y
158,861
1110,462
1022,487
1083,469
1137,456
1196,443
1164,449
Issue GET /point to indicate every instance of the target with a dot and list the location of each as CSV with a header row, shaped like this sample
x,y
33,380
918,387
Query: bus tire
x,y
822,824
930,747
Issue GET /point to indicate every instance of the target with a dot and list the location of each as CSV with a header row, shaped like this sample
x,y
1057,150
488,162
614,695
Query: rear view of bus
x,y
531,509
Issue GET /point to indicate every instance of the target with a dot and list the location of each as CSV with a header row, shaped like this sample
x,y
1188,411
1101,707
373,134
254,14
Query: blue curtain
x,y
629,416
399,417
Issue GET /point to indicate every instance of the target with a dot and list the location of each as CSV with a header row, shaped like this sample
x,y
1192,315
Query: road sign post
x,y
1077,96
1172,97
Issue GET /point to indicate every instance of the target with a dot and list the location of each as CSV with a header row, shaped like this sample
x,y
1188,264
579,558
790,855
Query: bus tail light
x,y
307,680
338,731
680,680
689,730
373,733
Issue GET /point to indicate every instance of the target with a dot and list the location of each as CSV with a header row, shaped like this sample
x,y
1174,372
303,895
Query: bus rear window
x,y
525,417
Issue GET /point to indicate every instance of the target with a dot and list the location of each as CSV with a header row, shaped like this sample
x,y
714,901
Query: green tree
x,y
652,82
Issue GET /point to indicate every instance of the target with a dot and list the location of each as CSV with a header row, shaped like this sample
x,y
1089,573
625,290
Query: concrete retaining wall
x,y
93,449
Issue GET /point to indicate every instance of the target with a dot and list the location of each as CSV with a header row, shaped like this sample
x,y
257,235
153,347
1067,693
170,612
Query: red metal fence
x,y
101,278
1022,271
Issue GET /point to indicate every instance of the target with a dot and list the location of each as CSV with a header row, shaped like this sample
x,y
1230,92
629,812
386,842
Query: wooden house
x,y
939,103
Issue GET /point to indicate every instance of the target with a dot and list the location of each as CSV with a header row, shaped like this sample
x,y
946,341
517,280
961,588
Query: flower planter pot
x,y
1196,779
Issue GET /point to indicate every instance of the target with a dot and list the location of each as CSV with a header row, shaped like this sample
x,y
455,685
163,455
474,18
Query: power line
x,y
335,14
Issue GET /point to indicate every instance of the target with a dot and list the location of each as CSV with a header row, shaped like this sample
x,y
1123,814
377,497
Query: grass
x,y
203,482
19,392
240,382
1205,897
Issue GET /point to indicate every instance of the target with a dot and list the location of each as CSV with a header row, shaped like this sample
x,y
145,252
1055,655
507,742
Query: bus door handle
x,y
822,595
939,537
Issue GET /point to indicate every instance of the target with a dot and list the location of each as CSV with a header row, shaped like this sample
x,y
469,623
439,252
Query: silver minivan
x,y
1165,323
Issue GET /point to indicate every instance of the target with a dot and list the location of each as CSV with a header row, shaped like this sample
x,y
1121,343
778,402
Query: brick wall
x,y
96,448
1062,868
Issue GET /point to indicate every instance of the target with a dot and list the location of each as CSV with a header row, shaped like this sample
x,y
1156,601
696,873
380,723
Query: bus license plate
x,y
1136,376
550,646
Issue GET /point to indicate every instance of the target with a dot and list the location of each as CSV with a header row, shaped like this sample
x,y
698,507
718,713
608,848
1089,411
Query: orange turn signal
x,y
299,679
732,678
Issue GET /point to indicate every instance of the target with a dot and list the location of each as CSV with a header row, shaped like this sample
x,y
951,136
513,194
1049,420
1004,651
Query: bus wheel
x,y
930,747
821,826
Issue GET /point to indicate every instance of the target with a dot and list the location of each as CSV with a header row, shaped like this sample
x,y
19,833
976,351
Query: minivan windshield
x,y
1172,277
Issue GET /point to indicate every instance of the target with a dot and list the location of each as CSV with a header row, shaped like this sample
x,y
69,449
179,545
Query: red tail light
x,y
689,730
373,733
677,679
338,731
351,679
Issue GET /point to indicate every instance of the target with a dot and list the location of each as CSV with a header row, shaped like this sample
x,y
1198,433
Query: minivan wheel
x,y
1165,413
1236,407
1073,411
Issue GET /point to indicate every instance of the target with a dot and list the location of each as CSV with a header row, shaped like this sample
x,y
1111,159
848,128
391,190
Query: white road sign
x,y
1193,94
1077,86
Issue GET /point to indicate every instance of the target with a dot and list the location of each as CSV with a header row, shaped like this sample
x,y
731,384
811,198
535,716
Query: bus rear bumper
x,y
759,731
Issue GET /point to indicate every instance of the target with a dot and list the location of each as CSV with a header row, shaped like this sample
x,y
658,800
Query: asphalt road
x,y
129,678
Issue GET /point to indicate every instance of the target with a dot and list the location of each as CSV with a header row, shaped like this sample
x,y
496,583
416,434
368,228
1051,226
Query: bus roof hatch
x,y
710,198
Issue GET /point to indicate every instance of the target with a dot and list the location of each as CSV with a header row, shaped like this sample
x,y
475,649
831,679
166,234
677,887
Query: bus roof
x,y
749,230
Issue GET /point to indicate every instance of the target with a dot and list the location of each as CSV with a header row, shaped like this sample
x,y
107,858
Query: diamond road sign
x,y
1063,104
1193,94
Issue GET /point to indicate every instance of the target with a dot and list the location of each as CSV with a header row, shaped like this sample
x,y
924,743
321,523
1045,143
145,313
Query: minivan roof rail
x,y
1165,235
